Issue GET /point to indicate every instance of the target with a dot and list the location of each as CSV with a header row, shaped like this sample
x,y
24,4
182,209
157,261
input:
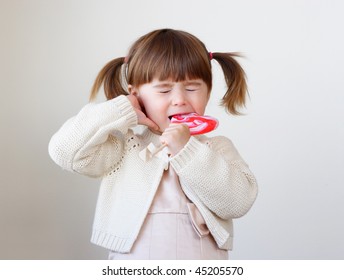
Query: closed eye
x,y
191,89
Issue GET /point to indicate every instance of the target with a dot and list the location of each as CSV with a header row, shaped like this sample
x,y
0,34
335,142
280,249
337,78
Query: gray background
x,y
292,134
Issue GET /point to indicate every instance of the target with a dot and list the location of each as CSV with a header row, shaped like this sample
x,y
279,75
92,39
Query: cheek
x,y
151,109
154,104
202,103
145,100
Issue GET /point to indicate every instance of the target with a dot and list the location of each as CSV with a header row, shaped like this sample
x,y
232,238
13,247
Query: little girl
x,y
179,204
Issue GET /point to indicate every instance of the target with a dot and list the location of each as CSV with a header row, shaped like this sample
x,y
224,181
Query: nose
x,y
178,98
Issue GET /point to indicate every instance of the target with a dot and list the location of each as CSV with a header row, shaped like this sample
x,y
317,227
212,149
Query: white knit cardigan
x,y
100,142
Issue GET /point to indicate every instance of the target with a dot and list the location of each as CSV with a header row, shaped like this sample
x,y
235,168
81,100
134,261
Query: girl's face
x,y
163,99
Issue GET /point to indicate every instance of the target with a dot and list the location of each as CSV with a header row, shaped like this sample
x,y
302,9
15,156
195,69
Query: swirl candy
x,y
196,123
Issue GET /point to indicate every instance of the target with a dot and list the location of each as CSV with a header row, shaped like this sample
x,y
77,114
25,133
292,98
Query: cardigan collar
x,y
150,136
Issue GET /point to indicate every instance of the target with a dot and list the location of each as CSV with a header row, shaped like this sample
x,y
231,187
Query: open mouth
x,y
179,114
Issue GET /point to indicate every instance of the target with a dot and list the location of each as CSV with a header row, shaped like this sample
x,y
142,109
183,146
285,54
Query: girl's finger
x,y
148,122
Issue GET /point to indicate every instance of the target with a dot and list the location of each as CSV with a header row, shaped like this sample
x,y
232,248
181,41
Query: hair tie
x,y
210,55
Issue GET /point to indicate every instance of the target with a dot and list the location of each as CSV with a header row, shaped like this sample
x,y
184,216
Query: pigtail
x,y
235,77
111,77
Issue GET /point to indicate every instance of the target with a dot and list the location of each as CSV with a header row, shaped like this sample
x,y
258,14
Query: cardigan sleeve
x,y
216,174
93,140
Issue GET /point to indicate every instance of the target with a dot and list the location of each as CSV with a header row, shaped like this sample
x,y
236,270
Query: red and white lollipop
x,y
196,123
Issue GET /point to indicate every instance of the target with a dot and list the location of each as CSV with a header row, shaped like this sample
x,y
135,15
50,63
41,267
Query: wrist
x,y
127,109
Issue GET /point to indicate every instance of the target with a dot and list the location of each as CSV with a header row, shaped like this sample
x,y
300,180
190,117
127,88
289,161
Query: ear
x,y
133,90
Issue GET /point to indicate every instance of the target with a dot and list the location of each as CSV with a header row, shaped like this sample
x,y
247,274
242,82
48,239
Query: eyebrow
x,y
168,84
192,83
160,85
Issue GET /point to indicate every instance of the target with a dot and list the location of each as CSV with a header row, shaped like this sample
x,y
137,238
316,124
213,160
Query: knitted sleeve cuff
x,y
126,109
188,153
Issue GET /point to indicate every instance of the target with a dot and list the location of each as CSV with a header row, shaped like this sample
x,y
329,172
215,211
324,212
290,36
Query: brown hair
x,y
172,54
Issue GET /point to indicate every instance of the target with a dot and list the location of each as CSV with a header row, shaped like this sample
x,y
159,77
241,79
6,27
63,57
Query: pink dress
x,y
173,228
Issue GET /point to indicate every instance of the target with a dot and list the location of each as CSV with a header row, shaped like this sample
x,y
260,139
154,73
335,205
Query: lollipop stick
x,y
150,151
158,149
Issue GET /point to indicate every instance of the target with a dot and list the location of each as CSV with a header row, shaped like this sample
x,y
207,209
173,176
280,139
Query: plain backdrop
x,y
291,135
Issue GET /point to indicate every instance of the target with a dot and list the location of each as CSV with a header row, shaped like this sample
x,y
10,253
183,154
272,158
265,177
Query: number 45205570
x,y
222,270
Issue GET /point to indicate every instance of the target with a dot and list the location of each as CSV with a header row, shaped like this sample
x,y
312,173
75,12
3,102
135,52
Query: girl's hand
x,y
141,116
175,137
